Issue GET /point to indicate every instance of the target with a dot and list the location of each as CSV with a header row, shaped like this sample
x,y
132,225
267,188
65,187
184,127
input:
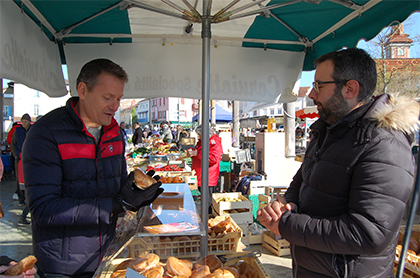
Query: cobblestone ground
x,y
16,240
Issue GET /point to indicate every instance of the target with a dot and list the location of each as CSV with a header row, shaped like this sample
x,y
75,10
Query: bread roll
x,y
200,272
22,266
212,261
119,273
176,267
144,262
142,180
154,272
227,272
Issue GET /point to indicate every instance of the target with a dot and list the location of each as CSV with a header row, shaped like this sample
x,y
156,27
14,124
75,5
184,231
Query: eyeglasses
x,y
316,84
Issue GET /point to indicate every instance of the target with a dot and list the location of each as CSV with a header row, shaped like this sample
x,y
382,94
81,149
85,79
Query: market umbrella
x,y
310,112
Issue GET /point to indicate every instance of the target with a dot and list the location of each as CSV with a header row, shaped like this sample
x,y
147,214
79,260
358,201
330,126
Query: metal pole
x,y
206,36
409,227
1,105
235,120
289,129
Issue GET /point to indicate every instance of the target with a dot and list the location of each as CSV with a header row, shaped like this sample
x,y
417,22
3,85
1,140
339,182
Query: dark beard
x,y
334,109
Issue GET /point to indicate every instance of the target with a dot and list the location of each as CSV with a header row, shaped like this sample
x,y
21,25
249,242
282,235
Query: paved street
x,y
16,240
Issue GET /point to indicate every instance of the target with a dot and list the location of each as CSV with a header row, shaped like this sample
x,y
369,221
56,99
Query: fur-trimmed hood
x,y
396,112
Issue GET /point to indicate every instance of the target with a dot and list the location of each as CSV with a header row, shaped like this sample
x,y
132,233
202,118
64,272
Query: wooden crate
x,y
263,201
253,262
188,249
271,190
279,247
225,208
240,218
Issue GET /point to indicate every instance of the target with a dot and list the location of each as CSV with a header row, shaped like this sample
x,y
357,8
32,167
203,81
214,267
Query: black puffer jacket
x,y
351,192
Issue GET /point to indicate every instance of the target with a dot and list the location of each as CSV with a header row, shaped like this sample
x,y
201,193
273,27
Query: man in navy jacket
x,y
76,175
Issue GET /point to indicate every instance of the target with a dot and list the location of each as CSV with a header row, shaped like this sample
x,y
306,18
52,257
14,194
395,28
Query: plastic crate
x,y
225,166
187,249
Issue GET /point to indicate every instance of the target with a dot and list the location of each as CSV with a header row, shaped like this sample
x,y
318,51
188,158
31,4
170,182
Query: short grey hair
x,y
199,130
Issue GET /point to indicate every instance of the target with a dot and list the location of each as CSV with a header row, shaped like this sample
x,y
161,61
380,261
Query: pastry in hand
x,y
22,266
141,180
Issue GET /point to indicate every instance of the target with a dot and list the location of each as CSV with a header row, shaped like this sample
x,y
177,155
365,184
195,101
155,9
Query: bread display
x,y
141,180
22,266
208,267
212,261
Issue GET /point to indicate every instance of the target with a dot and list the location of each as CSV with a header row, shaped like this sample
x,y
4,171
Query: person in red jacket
x,y
215,156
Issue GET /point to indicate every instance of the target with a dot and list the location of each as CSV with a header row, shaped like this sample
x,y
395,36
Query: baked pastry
x,y
141,180
212,261
200,272
227,272
144,262
177,267
1,211
22,266
153,272
119,273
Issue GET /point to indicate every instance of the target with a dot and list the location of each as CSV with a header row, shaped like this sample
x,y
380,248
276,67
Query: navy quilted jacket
x,y
71,182
351,192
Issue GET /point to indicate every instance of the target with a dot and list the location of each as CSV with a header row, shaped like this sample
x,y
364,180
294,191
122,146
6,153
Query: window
x,y
160,101
400,51
164,114
264,112
271,111
255,112
36,110
164,101
279,111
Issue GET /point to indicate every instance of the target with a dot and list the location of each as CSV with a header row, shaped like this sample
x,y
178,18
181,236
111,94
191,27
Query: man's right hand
x,y
130,197
270,215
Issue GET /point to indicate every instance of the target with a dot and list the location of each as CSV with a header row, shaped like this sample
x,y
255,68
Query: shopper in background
x,y
76,175
124,133
342,211
18,138
146,132
166,133
138,134
215,156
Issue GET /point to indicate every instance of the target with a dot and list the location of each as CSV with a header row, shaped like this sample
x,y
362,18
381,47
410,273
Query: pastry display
x,y
149,266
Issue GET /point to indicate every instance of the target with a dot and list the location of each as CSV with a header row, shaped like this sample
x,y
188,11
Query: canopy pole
x,y
206,37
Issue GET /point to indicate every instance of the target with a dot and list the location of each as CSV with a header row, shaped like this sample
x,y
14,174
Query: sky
x,y
412,29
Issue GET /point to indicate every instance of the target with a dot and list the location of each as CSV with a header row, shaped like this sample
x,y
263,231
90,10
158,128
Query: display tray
x,y
186,246
253,262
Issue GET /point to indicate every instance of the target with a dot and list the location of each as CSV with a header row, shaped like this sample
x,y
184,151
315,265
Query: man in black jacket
x,y
138,134
342,211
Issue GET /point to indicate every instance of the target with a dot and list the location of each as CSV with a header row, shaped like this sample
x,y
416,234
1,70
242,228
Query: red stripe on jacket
x,y
70,151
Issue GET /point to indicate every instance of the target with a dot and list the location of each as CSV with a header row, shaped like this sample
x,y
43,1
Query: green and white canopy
x,y
257,47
